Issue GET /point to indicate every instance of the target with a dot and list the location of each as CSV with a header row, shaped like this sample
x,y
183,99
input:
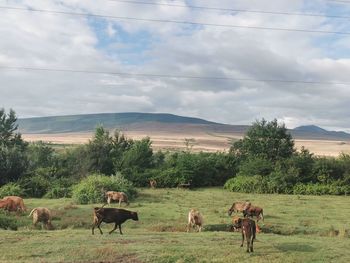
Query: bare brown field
x,y
199,141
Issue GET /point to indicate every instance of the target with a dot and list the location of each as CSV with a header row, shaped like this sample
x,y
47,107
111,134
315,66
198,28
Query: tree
x,y
13,161
267,140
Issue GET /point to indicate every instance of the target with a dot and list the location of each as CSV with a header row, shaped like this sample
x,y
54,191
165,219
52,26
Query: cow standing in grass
x,y
248,229
18,202
112,215
42,214
238,207
117,196
195,219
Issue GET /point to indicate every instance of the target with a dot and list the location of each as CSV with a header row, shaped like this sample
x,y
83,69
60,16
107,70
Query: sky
x,y
218,73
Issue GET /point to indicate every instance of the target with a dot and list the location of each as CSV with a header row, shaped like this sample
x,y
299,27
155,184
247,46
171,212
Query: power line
x,y
173,21
125,74
230,9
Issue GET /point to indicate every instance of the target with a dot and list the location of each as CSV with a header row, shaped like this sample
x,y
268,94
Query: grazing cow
x,y
248,229
195,218
117,196
238,207
254,211
8,205
42,214
112,215
153,183
18,201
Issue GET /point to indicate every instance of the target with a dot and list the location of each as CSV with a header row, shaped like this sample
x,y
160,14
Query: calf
x,y
248,229
18,201
153,183
112,215
117,196
238,207
195,218
254,211
42,214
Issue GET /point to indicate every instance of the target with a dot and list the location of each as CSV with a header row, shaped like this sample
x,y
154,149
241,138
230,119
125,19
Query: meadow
x,y
295,229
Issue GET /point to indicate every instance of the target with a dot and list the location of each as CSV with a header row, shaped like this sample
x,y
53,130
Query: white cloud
x,y
77,42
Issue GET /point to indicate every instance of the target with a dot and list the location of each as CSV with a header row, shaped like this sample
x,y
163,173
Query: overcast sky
x,y
61,41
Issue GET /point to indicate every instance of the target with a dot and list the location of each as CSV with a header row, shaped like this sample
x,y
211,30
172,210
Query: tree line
x,y
264,161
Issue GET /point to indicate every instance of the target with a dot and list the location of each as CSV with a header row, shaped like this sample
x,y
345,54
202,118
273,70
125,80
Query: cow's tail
x,y
262,215
31,212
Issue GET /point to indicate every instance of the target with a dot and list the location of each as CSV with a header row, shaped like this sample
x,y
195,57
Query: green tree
x,y
13,161
267,140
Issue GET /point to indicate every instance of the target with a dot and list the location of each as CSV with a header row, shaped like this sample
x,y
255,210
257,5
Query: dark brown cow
x,y
112,215
254,211
248,229
238,207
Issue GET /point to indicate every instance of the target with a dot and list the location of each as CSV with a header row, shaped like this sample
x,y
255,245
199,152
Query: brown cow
x,y
112,215
117,196
195,218
42,214
238,207
153,183
254,211
18,202
248,229
8,205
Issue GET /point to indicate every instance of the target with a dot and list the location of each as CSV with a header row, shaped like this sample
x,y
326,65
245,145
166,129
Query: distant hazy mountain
x,y
155,122
88,122
315,132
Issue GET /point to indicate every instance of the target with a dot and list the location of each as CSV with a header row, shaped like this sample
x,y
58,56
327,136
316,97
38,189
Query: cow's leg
x,y
248,243
120,229
98,225
115,227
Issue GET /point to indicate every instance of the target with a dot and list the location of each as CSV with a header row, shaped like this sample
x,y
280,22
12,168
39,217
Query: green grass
x,y
296,229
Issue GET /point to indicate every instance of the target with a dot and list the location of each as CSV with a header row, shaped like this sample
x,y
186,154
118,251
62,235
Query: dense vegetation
x,y
264,161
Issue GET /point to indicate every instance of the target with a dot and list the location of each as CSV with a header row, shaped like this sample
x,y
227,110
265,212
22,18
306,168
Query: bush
x,y
321,189
11,189
247,184
92,189
7,222
35,186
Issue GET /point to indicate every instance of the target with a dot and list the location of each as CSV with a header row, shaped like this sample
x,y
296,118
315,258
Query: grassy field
x,y
296,229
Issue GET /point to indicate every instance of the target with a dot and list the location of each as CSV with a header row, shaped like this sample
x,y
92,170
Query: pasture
x,y
296,229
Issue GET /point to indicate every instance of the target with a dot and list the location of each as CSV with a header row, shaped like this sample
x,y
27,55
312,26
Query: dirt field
x,y
198,141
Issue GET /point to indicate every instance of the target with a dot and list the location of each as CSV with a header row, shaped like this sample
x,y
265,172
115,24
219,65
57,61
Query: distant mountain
x,y
88,122
315,132
155,122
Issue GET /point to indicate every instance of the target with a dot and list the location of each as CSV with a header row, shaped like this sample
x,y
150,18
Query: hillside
x,y
155,122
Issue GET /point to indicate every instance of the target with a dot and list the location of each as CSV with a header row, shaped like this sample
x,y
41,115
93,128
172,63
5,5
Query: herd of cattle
x,y
118,216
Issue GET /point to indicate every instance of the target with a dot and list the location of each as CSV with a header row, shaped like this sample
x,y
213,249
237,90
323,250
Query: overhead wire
x,y
125,74
173,21
230,9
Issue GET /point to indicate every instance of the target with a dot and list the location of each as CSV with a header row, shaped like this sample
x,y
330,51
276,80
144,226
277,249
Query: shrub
x,y
92,189
7,222
11,189
247,184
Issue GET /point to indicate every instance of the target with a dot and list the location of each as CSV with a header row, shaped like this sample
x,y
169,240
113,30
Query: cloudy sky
x,y
220,73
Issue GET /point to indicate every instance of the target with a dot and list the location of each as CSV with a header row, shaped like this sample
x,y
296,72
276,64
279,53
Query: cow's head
x,y
134,216
236,222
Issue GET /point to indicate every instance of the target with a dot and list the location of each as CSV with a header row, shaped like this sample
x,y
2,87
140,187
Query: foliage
x,y
267,140
92,189
7,223
11,189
